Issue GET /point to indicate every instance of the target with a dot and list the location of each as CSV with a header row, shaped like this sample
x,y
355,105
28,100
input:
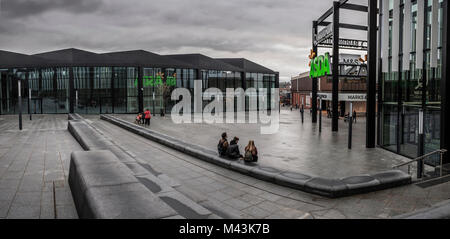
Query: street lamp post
x,y
20,101
29,102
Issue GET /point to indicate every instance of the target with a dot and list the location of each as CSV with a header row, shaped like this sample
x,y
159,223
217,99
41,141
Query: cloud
x,y
26,8
276,34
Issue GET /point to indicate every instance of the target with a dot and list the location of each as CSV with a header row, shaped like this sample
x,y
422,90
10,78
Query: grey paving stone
x,y
6,183
47,211
12,175
4,207
184,206
27,198
24,211
66,212
220,196
257,212
221,209
237,203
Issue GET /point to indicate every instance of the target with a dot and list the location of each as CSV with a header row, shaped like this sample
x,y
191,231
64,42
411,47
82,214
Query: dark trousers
x,y
147,122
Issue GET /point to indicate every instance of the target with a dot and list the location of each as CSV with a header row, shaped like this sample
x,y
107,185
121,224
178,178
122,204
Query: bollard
x,y
320,116
420,163
20,103
350,125
29,103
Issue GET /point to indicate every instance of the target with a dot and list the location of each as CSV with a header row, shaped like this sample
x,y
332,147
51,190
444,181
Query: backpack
x,y
248,157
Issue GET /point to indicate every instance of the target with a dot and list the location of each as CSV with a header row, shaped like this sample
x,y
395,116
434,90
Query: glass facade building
x,y
410,85
73,80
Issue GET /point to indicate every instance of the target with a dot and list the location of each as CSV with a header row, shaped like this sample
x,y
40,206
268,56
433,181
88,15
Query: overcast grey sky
x,y
276,34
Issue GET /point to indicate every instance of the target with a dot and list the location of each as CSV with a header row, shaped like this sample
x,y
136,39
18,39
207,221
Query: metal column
x,y
71,91
371,75
445,85
335,90
113,89
314,80
140,90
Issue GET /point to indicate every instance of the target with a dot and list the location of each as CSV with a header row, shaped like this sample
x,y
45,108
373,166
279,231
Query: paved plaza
x,y
228,192
296,147
34,166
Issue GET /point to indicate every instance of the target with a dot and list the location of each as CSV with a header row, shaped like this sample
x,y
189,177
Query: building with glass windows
x,y
411,39
73,80
407,66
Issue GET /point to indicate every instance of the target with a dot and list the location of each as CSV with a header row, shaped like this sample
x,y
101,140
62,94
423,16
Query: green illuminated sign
x,y
152,81
320,66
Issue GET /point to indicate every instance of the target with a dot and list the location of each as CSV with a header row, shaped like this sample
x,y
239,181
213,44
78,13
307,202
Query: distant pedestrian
x,y
148,116
354,116
138,119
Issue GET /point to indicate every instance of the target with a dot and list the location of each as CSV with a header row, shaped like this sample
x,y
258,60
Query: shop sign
x,y
320,66
325,33
349,59
345,44
344,97
158,80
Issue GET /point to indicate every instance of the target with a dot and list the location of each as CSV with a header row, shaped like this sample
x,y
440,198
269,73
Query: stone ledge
x,y
104,170
104,188
332,188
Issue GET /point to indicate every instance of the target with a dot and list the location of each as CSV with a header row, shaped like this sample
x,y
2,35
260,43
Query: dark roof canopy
x,y
17,60
248,66
76,57
150,59
205,63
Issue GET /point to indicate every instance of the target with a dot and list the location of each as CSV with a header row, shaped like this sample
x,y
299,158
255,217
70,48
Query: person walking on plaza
x,y
354,116
251,152
148,116
302,113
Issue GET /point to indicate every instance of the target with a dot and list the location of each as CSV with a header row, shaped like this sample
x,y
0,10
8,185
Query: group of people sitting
x,y
231,149
144,118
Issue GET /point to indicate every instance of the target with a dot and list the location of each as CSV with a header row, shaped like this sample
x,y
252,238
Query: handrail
x,y
441,152
421,157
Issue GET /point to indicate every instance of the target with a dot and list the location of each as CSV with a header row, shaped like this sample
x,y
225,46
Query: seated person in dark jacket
x,y
223,145
233,149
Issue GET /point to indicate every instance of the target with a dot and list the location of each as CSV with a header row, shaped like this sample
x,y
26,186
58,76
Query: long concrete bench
x,y
317,185
104,188
158,184
438,211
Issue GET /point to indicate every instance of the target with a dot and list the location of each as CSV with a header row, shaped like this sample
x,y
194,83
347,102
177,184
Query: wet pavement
x,y
222,190
34,165
297,147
